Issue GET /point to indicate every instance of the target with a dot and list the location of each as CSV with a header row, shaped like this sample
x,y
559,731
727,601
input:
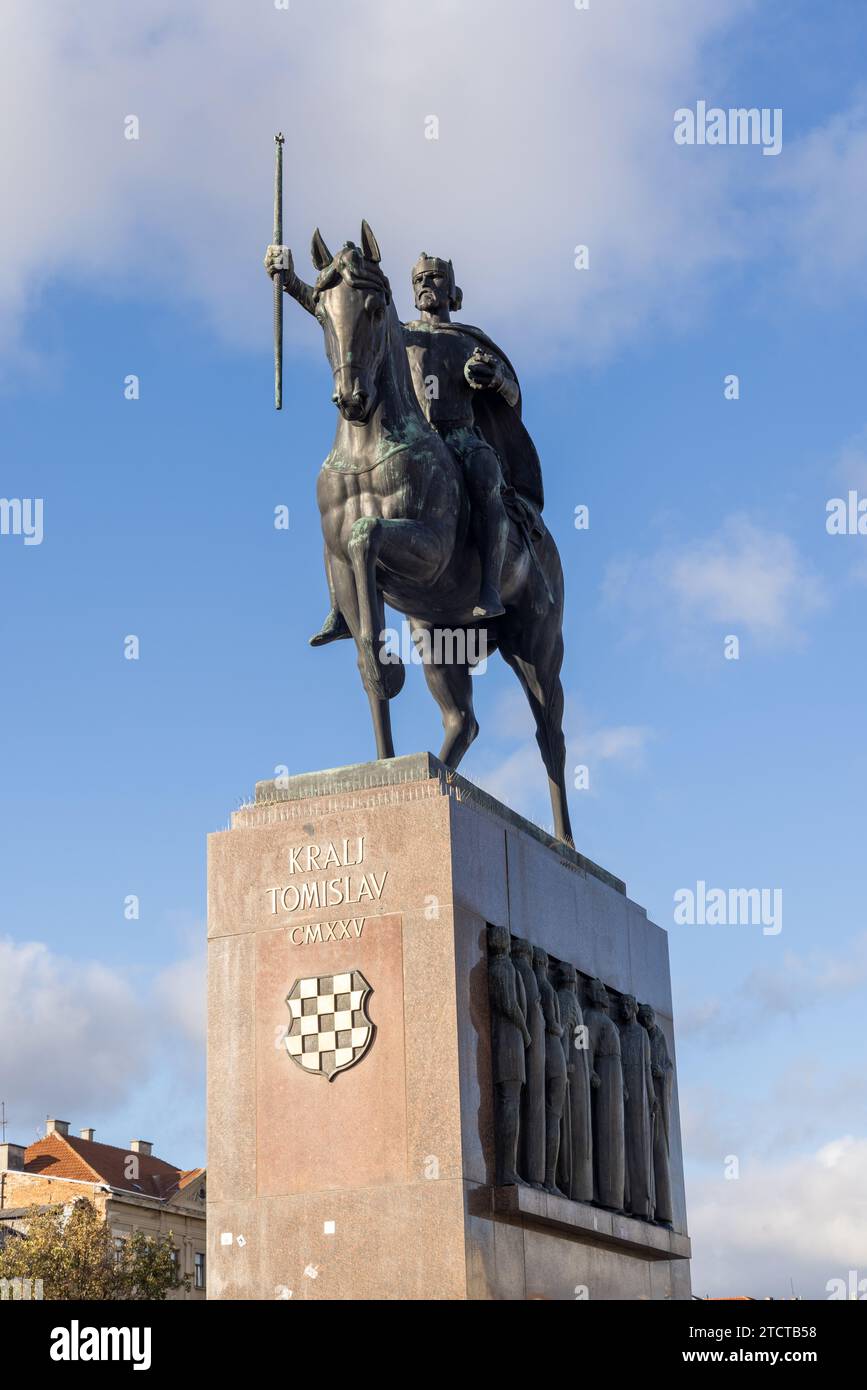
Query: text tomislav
x,y
334,891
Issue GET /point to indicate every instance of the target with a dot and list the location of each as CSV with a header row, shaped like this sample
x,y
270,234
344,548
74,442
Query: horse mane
x,y
352,266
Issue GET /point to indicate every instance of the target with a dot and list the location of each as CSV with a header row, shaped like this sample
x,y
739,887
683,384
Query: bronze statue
x,y
577,1124
662,1070
509,1039
555,1070
450,363
432,503
639,1111
531,1152
606,1082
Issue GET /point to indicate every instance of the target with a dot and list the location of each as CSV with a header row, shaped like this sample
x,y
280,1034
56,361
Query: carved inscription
x,y
318,889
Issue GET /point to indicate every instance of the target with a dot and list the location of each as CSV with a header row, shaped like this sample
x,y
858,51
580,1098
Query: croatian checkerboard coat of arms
x,y
330,1029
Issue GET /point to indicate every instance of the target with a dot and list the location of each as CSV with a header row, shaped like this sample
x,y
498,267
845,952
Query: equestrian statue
x,y
431,499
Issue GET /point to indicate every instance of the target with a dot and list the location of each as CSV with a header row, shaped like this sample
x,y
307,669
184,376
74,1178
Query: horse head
x,y
351,298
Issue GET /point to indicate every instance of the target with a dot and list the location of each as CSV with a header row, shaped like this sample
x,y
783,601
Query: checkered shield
x,y
330,1030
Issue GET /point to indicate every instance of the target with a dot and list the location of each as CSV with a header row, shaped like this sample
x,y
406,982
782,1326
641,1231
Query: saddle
x,y
531,527
524,513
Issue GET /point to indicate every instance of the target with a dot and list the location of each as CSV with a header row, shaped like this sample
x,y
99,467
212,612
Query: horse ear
x,y
369,243
319,251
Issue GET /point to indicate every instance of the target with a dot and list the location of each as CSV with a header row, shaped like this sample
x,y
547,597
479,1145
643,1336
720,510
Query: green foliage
x,y
75,1256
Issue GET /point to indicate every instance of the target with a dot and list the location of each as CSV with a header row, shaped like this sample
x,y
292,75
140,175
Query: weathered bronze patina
x,y
431,500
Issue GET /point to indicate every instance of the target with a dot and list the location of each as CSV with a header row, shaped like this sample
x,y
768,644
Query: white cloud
x,y
798,1107
555,129
82,1041
745,576
73,1035
802,1220
697,1019
823,215
180,990
799,981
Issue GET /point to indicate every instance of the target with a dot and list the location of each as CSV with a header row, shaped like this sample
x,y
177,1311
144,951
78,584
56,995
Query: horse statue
x,y
397,529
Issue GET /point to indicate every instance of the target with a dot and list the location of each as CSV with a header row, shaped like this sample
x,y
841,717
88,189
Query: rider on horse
x,y
451,364
469,393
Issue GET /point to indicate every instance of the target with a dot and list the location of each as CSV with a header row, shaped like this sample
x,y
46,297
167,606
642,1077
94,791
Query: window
x,y
118,1249
199,1269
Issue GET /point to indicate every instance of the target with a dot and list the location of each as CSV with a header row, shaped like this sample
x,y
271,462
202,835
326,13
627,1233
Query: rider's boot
x,y
490,523
493,537
332,630
490,605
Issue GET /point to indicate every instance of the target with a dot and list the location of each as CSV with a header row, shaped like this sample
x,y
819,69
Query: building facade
x,y
132,1188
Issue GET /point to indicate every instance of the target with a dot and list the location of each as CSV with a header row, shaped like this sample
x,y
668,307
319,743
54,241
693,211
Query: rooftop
x,y
85,1160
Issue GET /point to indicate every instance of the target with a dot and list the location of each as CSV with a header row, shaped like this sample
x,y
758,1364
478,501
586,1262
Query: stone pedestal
x,y
350,1144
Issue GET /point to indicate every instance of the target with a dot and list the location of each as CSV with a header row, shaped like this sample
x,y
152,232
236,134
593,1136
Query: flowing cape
x,y
502,426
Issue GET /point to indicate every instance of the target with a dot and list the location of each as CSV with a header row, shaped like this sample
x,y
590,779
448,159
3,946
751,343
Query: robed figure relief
x,y
531,1146
509,1040
662,1070
555,1070
606,1082
639,1111
577,1179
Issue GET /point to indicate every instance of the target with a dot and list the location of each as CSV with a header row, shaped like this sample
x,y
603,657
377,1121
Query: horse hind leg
x,y
452,687
539,674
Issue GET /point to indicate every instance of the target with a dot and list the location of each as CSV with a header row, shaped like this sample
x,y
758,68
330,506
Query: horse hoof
x,y
394,676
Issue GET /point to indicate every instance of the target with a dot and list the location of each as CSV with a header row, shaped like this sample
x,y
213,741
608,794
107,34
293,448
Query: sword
x,y
278,279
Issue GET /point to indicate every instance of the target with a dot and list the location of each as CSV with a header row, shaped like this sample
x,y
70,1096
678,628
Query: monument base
x,y
350,1093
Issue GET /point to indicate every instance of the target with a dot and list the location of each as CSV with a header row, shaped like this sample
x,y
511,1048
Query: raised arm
x,y
278,261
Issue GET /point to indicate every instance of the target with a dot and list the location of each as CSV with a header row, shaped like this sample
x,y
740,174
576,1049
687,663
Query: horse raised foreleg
x,y
409,549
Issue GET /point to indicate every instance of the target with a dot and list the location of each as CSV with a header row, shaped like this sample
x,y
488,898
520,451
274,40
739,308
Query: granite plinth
x,y
380,1179
414,768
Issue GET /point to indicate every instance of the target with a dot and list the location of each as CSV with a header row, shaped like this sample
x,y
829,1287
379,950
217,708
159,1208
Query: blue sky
x,y
707,518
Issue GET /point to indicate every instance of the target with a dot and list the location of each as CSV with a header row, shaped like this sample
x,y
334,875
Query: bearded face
x,y
432,290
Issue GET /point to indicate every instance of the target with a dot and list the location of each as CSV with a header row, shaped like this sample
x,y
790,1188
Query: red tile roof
x,y
189,1176
63,1156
